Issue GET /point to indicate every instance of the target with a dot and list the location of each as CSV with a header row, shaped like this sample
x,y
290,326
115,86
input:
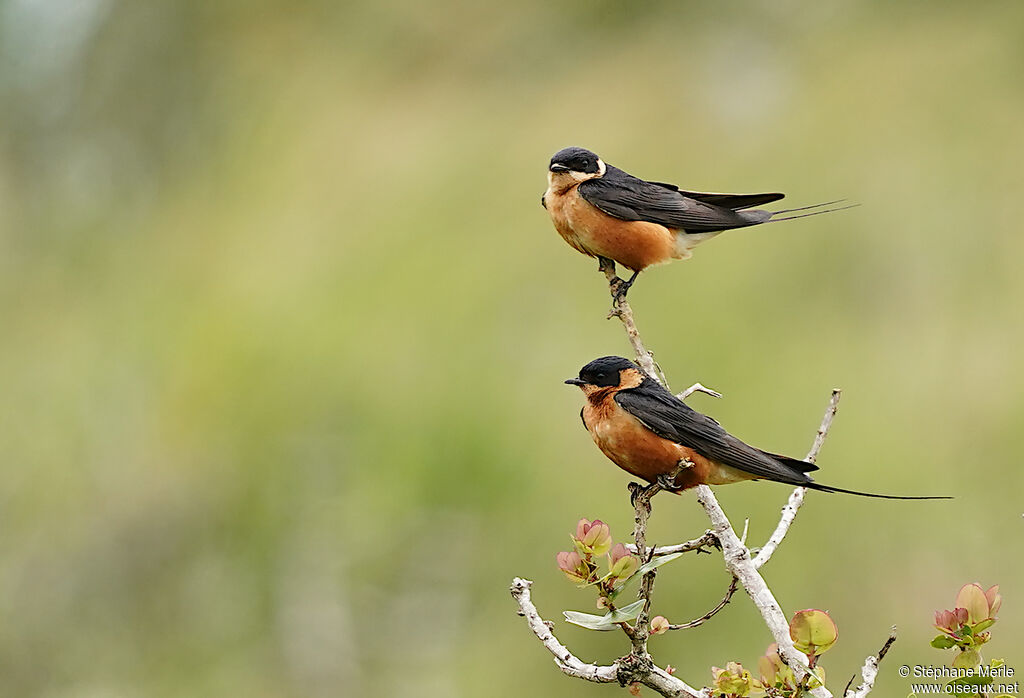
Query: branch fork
x,y
638,666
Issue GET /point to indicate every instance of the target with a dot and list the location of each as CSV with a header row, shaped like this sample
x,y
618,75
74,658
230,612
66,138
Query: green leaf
x,y
967,659
943,642
813,631
655,563
606,622
647,567
983,625
620,615
817,674
589,620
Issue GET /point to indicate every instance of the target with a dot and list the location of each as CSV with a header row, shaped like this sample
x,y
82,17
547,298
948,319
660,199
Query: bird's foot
x,y
640,494
667,481
620,287
635,488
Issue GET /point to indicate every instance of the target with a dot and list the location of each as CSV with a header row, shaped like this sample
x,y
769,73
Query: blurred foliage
x,y
284,329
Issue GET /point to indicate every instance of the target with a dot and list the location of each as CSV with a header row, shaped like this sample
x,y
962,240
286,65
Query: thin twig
x,y
622,310
796,497
708,540
654,677
698,388
826,424
889,642
869,672
564,659
704,618
641,497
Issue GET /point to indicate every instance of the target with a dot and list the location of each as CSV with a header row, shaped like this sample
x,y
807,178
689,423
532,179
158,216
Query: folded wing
x,y
670,418
629,198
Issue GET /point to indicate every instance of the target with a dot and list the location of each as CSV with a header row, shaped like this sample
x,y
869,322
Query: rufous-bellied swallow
x,y
650,433
603,211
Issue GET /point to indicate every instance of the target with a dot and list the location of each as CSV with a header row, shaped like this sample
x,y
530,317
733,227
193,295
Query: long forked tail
x,y
808,208
826,488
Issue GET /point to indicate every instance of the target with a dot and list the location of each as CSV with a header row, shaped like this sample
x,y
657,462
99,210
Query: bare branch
x,y
650,675
622,310
796,497
869,672
668,685
826,424
738,562
564,659
698,388
708,540
637,666
641,498
737,557
704,618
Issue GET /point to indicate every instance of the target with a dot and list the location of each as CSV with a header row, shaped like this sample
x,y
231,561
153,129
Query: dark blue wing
x,y
670,418
628,198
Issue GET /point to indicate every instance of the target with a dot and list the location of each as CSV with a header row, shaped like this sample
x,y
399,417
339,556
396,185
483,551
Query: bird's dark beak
x,y
575,381
556,167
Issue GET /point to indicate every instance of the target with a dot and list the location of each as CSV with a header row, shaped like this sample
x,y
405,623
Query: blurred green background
x,y
284,328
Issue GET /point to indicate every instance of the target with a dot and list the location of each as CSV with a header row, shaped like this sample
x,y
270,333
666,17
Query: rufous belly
x,y
641,452
633,244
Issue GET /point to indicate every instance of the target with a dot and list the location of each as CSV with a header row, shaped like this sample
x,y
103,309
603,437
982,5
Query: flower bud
x,y
573,566
972,598
995,601
659,625
622,564
947,622
592,537
774,672
733,680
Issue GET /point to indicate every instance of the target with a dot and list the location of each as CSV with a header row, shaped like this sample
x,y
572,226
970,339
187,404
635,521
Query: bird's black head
x,y
576,160
608,372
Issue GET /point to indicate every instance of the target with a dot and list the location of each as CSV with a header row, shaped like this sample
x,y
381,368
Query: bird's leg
x,y
624,286
667,481
616,286
635,488
607,267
